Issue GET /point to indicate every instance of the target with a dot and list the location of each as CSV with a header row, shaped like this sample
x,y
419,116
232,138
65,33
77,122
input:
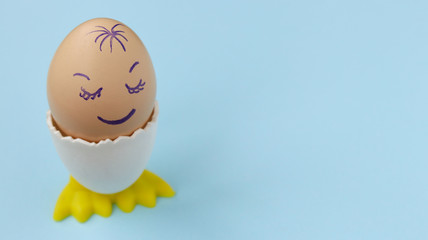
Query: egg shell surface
x,y
101,83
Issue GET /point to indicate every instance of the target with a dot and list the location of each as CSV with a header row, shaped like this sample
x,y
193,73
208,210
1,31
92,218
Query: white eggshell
x,y
107,166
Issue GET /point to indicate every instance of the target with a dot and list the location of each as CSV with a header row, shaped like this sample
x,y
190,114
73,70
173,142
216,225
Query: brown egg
x,y
101,82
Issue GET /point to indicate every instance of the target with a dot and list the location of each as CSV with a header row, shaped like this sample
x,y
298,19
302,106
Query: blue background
x,y
278,119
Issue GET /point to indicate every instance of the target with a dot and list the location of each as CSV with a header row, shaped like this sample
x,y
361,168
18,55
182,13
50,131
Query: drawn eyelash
x,y
137,89
86,95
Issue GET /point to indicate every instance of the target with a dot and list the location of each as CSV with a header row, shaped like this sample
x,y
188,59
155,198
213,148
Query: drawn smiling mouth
x,y
118,121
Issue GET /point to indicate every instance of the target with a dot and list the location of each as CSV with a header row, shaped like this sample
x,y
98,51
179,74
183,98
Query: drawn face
x,y
101,82
87,95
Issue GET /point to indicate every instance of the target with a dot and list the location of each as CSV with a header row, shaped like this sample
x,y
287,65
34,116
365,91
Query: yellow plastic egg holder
x,y
80,202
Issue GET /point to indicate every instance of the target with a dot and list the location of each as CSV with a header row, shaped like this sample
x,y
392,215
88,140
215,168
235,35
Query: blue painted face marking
x,y
86,95
136,89
119,121
82,75
112,34
133,66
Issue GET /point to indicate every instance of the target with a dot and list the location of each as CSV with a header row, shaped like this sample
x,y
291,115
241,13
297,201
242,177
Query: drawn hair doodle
x,y
112,34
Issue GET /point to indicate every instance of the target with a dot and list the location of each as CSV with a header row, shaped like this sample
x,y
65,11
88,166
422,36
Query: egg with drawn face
x,y
101,82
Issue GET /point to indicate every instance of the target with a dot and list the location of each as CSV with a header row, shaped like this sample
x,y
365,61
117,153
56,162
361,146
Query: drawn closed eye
x,y
136,89
87,95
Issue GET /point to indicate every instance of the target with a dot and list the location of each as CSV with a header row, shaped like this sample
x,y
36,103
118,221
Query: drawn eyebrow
x,y
133,65
82,75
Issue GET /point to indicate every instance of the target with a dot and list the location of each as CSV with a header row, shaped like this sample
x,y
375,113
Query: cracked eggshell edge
x,y
108,166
